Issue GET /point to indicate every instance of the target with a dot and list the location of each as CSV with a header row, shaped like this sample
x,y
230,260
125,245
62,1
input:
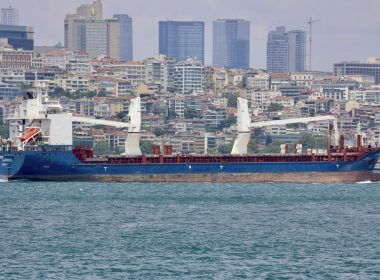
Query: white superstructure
x,y
41,121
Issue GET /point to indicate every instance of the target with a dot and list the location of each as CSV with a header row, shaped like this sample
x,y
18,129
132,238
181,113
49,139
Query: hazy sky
x,y
349,29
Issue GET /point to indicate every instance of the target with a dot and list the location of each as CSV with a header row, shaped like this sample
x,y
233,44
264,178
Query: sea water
x,y
66,230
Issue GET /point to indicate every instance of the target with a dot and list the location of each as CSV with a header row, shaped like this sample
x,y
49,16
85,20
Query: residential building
x,y
182,39
78,63
286,51
19,37
262,96
160,70
9,16
73,83
131,71
258,81
231,43
9,91
15,59
371,68
188,76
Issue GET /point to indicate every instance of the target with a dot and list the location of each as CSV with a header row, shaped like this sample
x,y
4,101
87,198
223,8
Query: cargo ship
x,y
40,148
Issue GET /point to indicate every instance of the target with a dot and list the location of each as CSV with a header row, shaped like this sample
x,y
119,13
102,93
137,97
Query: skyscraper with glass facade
x,y
125,37
297,50
286,51
182,39
231,43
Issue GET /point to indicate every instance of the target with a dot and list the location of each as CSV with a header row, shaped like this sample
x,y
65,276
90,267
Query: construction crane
x,y
310,23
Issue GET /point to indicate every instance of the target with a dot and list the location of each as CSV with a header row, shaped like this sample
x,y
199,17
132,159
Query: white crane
x,y
244,126
132,143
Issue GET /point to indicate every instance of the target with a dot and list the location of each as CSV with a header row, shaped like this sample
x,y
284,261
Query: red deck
x,y
347,154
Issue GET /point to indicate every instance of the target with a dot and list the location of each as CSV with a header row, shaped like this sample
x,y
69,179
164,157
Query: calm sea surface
x,y
189,231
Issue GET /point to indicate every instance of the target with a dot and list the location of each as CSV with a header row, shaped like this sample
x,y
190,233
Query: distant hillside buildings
x,y
231,43
286,51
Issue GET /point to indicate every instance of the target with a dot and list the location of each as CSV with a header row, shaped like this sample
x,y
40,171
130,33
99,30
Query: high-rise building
x,y
286,51
19,37
231,43
121,38
93,11
9,16
297,50
87,31
91,36
182,39
277,51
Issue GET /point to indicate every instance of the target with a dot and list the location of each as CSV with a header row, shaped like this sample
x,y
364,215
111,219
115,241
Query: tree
x,y
171,115
102,148
191,113
273,107
225,149
146,146
121,115
268,140
158,131
227,123
272,148
309,141
212,151
102,93
232,101
60,92
252,147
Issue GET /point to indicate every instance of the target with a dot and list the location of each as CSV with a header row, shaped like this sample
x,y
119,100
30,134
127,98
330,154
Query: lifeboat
x,y
30,133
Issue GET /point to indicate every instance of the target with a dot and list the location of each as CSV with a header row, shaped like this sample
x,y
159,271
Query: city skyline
x,y
332,42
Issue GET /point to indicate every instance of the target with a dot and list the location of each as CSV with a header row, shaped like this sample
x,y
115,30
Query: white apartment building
x,y
130,71
73,83
365,96
259,81
262,96
188,76
160,70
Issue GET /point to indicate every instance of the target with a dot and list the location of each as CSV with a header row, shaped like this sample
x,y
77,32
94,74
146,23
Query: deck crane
x,y
244,126
132,143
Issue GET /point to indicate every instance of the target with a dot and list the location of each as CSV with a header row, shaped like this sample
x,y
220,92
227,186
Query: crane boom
x,y
290,121
244,126
100,122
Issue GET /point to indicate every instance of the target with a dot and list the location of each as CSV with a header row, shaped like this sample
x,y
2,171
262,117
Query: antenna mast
x,y
310,23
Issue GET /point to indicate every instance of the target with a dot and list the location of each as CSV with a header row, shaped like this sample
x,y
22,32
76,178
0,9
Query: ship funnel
x,y
244,131
132,143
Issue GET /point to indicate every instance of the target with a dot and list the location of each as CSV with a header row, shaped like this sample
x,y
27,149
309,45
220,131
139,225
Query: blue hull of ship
x,y
63,165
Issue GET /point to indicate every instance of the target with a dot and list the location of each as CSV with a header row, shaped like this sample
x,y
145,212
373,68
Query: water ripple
x,y
189,231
